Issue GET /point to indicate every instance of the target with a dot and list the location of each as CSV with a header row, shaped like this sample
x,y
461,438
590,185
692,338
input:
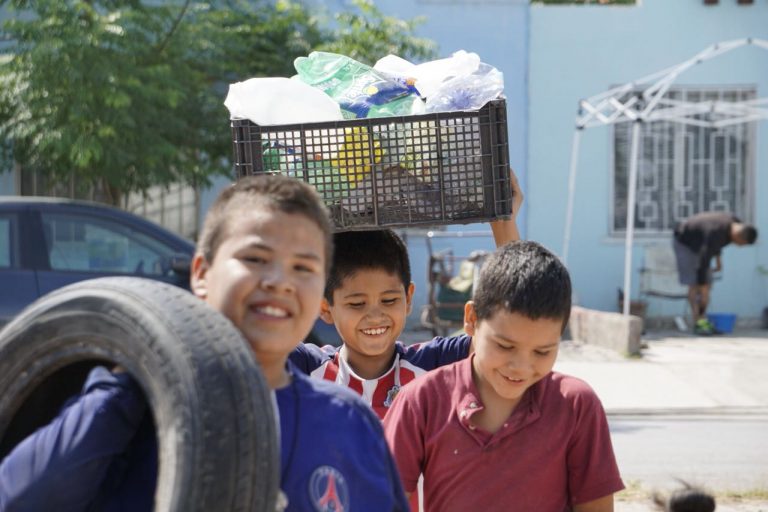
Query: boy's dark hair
x,y
355,250
282,193
748,234
687,499
525,278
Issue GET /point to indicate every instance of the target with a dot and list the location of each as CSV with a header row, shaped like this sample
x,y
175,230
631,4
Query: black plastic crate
x,y
430,169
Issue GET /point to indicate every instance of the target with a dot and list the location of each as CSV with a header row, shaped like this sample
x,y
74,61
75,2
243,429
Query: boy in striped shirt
x,y
368,297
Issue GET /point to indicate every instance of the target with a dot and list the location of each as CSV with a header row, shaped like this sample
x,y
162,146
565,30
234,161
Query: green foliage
x,y
126,95
367,35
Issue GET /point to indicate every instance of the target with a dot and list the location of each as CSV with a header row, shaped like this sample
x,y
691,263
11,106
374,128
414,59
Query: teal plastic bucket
x,y
723,322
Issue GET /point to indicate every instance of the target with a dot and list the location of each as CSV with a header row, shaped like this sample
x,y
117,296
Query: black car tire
x,y
217,435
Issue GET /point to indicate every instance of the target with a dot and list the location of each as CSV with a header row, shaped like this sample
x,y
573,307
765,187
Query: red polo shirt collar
x,y
466,402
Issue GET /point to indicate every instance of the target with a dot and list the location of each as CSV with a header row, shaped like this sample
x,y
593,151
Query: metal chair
x,y
451,279
659,278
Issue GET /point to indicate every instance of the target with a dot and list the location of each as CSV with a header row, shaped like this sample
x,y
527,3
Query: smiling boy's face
x,y
369,310
267,277
512,352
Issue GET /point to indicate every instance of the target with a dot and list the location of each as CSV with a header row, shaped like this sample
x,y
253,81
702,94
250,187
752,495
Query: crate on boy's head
x,y
441,168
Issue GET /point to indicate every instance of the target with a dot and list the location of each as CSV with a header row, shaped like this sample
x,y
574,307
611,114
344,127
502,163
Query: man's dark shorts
x,y
687,264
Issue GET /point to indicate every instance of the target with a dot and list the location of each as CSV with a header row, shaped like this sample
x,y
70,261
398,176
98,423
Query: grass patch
x,y
746,495
634,491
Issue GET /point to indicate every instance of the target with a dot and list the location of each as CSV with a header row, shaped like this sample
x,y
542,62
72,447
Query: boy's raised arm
x,y
505,231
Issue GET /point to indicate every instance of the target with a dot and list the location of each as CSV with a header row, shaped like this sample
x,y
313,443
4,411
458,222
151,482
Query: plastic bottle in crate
x,y
321,174
357,154
359,89
333,178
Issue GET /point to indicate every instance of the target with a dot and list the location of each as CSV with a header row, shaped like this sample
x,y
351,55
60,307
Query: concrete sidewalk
x,y
676,373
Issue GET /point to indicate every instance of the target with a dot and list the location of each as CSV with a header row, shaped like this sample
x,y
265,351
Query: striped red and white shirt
x,y
410,362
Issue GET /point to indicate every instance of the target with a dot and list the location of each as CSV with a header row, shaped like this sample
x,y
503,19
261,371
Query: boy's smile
x,y
512,352
267,277
369,310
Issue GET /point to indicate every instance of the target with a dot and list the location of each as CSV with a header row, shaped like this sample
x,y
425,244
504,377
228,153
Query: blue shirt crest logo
x,y
328,490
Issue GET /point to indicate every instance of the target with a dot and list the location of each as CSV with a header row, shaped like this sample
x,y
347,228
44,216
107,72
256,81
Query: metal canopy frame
x,y
642,101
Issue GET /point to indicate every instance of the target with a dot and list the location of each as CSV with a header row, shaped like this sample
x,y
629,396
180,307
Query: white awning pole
x,y
630,216
571,193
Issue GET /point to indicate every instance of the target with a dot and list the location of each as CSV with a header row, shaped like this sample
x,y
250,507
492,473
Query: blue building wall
x,y
579,51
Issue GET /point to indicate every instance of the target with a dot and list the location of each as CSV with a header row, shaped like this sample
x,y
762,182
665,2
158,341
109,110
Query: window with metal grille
x,y
685,169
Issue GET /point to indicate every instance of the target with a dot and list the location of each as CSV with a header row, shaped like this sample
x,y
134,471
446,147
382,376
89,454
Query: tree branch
x,y
175,25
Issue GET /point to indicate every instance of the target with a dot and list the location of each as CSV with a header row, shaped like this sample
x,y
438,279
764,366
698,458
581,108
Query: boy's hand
x,y
517,194
505,231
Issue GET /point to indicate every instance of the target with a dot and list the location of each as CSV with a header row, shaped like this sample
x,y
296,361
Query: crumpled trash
x,y
459,82
277,100
400,159
468,92
333,87
429,76
360,90
354,158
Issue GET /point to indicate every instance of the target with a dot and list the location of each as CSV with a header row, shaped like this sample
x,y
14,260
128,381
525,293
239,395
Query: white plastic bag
x,y
277,100
467,92
394,65
431,75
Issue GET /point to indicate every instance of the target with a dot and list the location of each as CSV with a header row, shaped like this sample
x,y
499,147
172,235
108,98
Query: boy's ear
x,y
325,311
197,276
470,318
409,297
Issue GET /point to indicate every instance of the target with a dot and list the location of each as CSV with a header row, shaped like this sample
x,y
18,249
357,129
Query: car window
x,y
80,243
5,241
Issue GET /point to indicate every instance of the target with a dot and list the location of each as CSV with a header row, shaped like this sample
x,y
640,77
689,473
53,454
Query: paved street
x,y
721,452
691,408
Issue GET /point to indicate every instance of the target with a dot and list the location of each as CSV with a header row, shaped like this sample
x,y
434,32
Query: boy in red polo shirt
x,y
500,430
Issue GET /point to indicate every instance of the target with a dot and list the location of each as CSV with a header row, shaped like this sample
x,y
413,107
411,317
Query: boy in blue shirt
x,y
261,260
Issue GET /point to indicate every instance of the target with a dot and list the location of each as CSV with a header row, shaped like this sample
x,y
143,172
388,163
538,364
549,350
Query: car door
x,y
82,244
17,277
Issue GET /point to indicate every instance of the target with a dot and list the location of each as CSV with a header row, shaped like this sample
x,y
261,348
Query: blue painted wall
x,y
579,51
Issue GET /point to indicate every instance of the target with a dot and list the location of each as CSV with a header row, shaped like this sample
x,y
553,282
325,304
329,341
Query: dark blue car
x,y
48,243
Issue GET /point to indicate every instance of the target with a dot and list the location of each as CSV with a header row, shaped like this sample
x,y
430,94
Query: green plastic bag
x,y
359,90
